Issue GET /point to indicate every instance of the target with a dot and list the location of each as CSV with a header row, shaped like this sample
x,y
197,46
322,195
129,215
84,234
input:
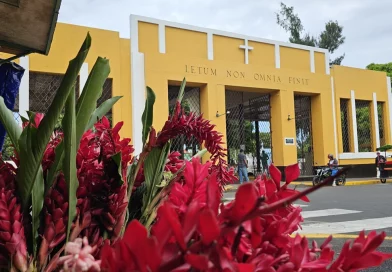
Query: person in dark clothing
x,y
242,166
264,161
379,158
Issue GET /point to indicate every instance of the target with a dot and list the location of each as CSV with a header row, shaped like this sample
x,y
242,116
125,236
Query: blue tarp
x,y
10,77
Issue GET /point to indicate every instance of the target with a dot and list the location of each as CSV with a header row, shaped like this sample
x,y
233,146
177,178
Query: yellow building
x,y
286,94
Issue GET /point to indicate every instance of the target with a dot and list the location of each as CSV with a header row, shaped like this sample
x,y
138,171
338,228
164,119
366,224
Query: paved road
x,y
346,211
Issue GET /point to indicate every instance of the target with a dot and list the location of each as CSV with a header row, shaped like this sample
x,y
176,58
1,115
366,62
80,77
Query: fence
x,y
346,127
190,103
364,126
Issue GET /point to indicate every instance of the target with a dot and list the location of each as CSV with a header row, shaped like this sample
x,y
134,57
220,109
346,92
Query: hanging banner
x,y
10,77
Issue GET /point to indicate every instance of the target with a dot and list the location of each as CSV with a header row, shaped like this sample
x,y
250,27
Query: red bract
x,y
361,254
37,120
135,252
102,191
192,125
191,234
12,234
102,199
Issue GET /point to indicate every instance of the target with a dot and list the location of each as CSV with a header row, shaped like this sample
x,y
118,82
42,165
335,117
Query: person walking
x,y
242,167
379,158
264,161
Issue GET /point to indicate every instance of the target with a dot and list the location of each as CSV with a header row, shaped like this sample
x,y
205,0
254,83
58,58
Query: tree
x,y
387,67
330,38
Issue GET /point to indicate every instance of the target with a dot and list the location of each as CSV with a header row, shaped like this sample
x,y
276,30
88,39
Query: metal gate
x,y
191,103
248,119
303,126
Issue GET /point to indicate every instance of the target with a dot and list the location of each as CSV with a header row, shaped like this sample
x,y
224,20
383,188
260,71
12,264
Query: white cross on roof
x,y
246,47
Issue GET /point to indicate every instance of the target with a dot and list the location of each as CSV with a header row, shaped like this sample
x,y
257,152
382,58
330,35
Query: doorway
x,y
248,127
303,127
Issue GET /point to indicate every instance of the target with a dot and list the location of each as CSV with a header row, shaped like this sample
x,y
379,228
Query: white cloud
x,y
367,24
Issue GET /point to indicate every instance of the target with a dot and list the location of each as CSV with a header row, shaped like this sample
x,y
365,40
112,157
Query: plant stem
x,y
237,240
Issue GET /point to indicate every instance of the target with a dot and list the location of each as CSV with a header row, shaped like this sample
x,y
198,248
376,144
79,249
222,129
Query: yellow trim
x,y
309,183
335,236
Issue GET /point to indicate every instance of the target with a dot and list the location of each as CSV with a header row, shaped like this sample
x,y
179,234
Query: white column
x,y
312,66
389,106
334,118
24,87
277,56
162,38
210,45
327,68
376,125
354,121
138,86
83,76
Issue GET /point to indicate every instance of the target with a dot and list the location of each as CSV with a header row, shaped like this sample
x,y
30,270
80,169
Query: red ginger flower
x,y
56,218
135,252
240,238
98,176
13,247
361,254
101,196
192,125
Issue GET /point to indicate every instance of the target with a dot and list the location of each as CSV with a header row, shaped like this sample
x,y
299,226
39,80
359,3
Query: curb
x,y
309,183
348,183
334,236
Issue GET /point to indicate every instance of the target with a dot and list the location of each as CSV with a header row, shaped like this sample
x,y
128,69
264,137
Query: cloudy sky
x,y
367,23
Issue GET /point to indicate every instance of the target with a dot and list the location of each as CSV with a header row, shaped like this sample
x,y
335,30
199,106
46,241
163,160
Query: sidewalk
x,y
349,182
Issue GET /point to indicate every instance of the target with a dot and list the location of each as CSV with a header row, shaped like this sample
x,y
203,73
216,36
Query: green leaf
x,y
131,173
24,120
69,163
117,159
7,119
182,90
200,154
153,172
148,113
30,164
92,91
102,110
89,98
56,166
37,197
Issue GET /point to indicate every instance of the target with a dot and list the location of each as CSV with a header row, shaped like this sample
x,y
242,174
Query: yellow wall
x,y
187,56
262,54
294,59
66,43
227,49
364,83
228,71
319,59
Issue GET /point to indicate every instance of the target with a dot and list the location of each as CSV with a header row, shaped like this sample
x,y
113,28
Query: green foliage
x,y
69,164
386,67
31,142
148,114
250,137
364,129
8,149
86,109
330,38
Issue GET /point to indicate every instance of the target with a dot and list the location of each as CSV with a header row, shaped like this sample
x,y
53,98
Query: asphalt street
x,y
344,212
